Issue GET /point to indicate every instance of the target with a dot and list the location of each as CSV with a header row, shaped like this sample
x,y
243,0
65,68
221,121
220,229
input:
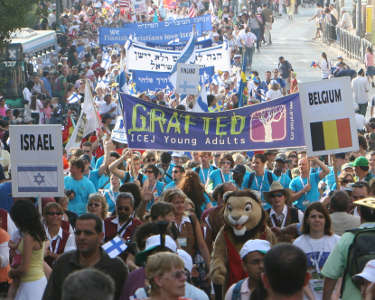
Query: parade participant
x,y
361,87
204,168
341,219
165,272
152,187
280,260
221,175
133,163
361,169
317,241
240,175
190,235
30,272
212,218
305,186
370,66
111,193
167,166
124,223
89,254
81,186
60,240
261,179
337,264
88,284
177,175
97,205
195,191
281,170
252,254
281,214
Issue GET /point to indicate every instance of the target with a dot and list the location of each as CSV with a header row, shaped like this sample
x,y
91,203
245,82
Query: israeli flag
x,y
34,179
187,56
74,98
114,247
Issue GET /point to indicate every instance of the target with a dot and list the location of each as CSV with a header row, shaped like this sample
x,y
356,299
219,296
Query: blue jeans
x,y
249,51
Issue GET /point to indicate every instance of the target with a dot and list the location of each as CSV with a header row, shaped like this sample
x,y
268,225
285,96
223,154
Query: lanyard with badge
x,y
203,175
258,189
317,280
306,201
223,177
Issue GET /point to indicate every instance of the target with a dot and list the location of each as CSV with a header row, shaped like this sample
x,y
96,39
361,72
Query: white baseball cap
x,y
261,246
188,261
368,271
152,243
178,154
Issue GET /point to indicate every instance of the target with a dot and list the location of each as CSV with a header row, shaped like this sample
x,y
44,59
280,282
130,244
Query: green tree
x,y
14,14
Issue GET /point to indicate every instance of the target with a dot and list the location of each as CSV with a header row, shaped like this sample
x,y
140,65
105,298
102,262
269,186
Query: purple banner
x,y
270,125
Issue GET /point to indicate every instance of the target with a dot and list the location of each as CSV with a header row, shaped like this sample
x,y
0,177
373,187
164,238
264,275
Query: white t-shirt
x,y
105,108
272,94
317,252
325,68
361,88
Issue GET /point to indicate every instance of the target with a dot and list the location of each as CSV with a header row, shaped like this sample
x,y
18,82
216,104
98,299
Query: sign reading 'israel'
x,y
37,169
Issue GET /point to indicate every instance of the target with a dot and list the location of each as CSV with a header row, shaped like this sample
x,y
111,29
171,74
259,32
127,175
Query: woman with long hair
x,y
324,66
317,241
192,187
30,271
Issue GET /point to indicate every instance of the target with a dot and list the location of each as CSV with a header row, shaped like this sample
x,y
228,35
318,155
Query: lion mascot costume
x,y
244,219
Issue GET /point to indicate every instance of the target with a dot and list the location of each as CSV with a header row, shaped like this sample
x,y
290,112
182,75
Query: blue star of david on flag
x,y
36,179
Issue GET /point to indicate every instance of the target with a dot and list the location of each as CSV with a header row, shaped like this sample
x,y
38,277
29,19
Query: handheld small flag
x,y
115,247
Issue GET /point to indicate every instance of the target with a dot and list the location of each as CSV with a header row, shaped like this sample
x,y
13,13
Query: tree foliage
x,y
13,16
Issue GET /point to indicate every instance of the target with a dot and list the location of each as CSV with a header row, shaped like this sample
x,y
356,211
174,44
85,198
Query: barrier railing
x,y
352,45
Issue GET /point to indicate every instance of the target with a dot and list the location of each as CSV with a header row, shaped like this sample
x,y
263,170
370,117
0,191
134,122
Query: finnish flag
x,y
74,98
34,179
114,247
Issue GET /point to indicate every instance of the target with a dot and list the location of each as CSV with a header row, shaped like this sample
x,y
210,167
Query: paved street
x,y
293,40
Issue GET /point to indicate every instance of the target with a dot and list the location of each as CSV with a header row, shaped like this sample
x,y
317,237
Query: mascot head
x,y
243,212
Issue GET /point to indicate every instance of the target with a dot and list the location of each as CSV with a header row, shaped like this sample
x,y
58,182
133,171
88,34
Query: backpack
x,y
236,294
360,251
252,176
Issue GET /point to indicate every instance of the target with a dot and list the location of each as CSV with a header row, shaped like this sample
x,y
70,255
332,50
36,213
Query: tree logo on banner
x,y
268,125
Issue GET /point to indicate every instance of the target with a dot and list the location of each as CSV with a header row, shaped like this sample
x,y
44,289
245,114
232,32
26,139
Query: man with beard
x,y
89,254
125,223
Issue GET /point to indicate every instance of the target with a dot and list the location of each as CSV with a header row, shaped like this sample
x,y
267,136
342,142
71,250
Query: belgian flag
x,y
328,135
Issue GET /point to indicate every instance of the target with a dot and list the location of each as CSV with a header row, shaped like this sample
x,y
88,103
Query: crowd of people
x,y
167,207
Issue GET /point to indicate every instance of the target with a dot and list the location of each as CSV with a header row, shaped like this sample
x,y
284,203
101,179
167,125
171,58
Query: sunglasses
x,y
179,275
274,195
54,213
225,162
175,171
94,205
148,171
150,160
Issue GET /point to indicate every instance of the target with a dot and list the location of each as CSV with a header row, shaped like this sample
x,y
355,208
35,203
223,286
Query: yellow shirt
x,y
35,271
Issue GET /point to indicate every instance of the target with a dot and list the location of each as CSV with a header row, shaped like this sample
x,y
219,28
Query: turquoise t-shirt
x,y
170,185
99,181
260,184
313,195
157,192
216,177
204,173
284,180
82,189
110,196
